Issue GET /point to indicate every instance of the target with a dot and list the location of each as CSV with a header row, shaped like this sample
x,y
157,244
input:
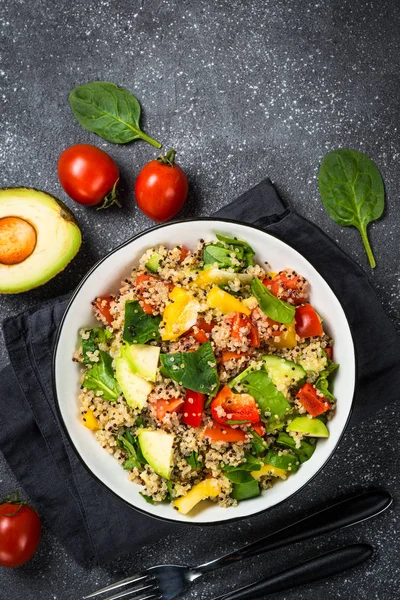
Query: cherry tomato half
x,y
161,188
308,323
19,533
88,175
101,307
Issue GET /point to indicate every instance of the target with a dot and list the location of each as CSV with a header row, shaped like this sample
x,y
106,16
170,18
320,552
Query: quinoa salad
x,y
209,374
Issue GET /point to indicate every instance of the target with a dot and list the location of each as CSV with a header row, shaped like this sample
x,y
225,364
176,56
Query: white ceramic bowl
x,y
105,277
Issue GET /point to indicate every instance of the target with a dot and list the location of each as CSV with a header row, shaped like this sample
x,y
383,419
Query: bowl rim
x,y
64,426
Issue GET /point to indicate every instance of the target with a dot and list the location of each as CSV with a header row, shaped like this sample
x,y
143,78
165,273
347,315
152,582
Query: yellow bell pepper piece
x,y
90,421
287,339
220,277
179,315
208,488
217,298
269,470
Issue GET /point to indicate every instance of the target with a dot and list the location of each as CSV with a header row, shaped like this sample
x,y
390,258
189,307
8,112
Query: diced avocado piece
x,y
143,360
157,449
38,238
135,388
289,462
313,427
284,373
208,488
153,263
219,277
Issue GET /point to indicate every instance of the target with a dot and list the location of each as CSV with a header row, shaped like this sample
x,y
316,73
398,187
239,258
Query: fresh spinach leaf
x,y
322,383
227,252
110,111
130,444
139,327
251,464
100,378
288,462
148,499
246,490
248,251
193,460
194,370
304,451
239,476
239,378
258,444
170,488
219,255
266,394
352,191
273,307
90,344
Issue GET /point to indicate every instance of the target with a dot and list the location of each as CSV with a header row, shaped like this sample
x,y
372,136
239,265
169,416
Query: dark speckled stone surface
x,y
242,90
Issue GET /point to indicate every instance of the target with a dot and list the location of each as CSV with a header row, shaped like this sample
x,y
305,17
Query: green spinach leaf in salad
x,y
110,111
251,463
304,452
352,191
100,378
258,444
195,371
130,444
322,383
266,394
139,327
227,253
244,485
91,339
273,307
288,462
193,460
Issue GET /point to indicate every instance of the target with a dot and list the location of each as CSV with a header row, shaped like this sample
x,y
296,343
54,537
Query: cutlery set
x,y
166,582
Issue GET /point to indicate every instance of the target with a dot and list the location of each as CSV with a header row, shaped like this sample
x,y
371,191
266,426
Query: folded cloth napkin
x,y
92,523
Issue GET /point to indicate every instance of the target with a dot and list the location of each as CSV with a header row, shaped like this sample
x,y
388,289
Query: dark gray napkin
x,y
88,519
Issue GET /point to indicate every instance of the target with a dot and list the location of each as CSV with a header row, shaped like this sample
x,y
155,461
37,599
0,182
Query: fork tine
x,y
150,588
121,583
155,596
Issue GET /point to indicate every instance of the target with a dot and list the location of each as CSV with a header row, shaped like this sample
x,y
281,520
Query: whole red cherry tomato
x,y
19,532
88,175
161,188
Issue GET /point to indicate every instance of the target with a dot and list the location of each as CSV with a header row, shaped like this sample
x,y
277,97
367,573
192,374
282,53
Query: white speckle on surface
x,y
242,90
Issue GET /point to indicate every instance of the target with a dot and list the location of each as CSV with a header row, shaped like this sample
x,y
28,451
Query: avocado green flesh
x,y
157,449
135,388
313,427
284,373
143,360
58,238
154,262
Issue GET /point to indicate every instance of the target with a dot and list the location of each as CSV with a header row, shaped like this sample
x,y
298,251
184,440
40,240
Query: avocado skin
x,y
66,214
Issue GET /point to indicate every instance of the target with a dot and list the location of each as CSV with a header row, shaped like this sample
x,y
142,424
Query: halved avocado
x,y
38,238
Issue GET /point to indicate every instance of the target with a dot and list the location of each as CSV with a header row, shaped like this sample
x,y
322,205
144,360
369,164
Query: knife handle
x,y
319,567
347,512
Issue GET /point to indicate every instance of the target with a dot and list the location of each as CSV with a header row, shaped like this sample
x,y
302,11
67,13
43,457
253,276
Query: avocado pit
x,y
17,240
